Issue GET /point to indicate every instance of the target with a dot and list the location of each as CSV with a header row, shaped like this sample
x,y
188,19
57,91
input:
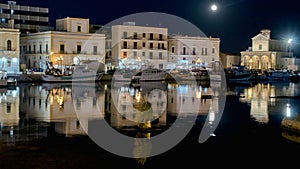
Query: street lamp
x,y
60,59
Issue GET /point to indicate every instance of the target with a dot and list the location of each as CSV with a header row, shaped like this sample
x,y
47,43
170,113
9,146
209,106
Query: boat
x,y
124,75
78,73
239,73
7,80
150,74
276,75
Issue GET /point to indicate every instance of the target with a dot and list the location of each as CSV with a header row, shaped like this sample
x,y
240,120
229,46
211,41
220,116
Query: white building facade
x,y
187,50
9,50
266,53
70,44
141,44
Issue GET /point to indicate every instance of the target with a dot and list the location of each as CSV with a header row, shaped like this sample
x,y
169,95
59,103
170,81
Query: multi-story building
x,y
69,44
140,44
188,50
9,50
265,52
25,18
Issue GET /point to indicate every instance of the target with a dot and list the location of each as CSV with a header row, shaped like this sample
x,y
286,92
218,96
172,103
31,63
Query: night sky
x,y
235,22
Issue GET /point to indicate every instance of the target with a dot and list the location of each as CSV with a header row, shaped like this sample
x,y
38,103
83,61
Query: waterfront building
x,y
266,53
69,44
9,50
27,19
139,44
191,50
229,59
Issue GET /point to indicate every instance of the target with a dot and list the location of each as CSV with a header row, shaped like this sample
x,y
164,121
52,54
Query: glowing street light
x,y
60,59
290,40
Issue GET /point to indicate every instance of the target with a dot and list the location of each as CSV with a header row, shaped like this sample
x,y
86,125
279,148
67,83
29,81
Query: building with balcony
x,y
26,18
141,44
266,53
9,50
70,44
188,50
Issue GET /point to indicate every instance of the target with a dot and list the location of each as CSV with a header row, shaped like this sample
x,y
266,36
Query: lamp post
x,y
60,59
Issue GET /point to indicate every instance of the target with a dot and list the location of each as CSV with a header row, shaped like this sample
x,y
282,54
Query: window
x,y
95,50
194,51
144,35
124,54
47,48
144,44
158,45
205,51
260,47
134,35
62,48
161,66
125,45
78,48
135,45
78,28
124,35
151,45
8,45
144,53
34,49
150,55
160,55
8,107
40,48
163,46
184,51
134,54
24,49
213,50
173,49
151,36
29,48
160,37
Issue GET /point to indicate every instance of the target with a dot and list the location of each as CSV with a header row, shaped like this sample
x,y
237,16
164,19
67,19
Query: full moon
x,y
213,7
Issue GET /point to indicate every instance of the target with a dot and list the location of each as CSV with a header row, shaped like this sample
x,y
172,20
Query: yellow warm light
x,y
198,95
138,96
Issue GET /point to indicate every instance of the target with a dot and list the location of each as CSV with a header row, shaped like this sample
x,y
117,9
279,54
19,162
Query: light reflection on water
x,y
30,110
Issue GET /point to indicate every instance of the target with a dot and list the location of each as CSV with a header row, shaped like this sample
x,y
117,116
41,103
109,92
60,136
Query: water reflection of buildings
x,y
9,114
188,98
262,98
69,106
144,103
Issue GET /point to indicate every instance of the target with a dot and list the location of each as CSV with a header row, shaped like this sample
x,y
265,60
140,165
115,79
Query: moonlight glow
x,y
213,7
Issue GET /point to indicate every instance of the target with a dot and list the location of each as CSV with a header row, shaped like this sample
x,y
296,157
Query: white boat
x,y
6,81
150,74
80,73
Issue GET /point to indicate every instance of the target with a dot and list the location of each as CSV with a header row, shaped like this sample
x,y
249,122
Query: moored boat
x,y
240,74
150,74
80,73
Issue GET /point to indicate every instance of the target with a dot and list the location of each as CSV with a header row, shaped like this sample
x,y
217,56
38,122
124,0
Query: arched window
x,y
8,44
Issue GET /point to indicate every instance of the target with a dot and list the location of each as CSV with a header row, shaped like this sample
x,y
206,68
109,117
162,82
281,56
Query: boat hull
x,y
87,78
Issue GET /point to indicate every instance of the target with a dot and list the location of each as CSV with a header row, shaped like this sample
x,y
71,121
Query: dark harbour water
x,y
39,129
